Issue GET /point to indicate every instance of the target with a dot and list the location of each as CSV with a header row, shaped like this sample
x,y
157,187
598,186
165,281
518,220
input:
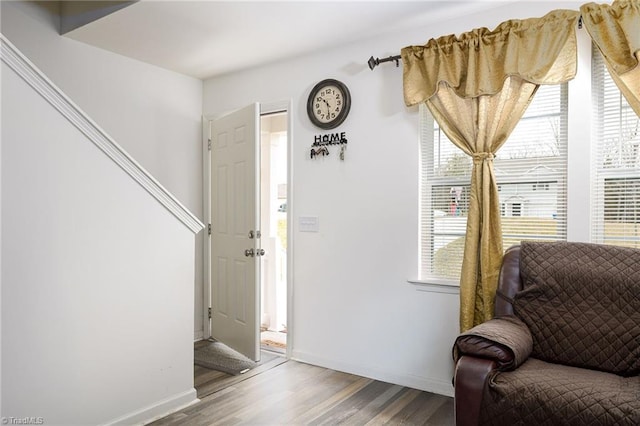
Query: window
x,y
530,170
616,163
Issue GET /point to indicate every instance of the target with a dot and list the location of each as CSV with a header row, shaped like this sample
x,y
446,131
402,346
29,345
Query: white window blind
x,y
616,167
530,171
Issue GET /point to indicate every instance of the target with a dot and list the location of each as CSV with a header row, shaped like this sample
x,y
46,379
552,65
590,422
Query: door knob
x,y
260,252
249,252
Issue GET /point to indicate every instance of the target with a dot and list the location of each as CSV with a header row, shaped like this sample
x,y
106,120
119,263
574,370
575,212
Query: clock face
x,y
328,104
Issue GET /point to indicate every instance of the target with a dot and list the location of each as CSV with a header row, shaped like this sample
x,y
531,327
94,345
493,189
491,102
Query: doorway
x,y
274,227
240,300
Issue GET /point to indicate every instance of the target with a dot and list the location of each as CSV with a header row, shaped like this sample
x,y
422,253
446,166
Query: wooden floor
x,y
280,392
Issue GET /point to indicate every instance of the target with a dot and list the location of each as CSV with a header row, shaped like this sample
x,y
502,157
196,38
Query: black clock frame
x,y
343,113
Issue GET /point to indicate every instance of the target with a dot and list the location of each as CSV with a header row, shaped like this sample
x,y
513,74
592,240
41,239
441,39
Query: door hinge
x,y
209,144
209,229
209,313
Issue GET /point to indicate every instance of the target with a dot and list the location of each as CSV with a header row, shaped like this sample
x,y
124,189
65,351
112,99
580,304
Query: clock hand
x,y
328,107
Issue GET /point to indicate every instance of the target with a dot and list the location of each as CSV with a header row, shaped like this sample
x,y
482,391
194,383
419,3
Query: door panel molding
x,y
235,200
265,108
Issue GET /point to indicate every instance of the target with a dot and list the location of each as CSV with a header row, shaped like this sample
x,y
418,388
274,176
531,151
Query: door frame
x,y
265,108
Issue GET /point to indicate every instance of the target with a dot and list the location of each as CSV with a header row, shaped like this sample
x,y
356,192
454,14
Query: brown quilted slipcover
x,y
576,361
581,303
540,393
505,340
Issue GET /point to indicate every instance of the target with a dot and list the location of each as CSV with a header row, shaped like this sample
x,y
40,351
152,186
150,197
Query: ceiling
x,y
209,38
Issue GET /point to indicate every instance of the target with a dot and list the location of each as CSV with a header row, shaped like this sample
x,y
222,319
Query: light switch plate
x,y
308,224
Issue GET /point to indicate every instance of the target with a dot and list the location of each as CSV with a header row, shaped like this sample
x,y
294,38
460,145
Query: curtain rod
x,y
374,62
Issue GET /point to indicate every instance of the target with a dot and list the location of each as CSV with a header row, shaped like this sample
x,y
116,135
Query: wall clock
x,y
328,104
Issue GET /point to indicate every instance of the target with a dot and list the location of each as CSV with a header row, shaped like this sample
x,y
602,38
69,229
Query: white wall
x,y
153,113
97,278
93,331
353,308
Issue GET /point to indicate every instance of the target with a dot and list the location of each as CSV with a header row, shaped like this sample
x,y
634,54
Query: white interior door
x,y
235,218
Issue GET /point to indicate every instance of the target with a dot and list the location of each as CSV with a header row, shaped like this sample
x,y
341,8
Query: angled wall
x,y
75,14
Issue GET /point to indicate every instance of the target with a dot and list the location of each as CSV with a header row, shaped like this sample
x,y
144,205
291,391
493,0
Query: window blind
x,y
530,171
616,163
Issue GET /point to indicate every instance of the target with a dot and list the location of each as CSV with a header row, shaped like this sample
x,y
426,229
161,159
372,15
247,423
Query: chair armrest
x,y
471,377
506,340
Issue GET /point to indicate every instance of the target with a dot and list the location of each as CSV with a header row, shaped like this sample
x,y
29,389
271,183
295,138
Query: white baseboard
x,y
438,386
199,335
158,410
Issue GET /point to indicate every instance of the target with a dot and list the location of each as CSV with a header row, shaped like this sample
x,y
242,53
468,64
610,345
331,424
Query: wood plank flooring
x,y
293,393
207,381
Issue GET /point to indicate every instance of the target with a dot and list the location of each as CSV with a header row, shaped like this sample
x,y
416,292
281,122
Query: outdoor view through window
x,y
531,169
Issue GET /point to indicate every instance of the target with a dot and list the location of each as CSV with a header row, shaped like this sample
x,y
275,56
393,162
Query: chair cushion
x,y
581,303
541,393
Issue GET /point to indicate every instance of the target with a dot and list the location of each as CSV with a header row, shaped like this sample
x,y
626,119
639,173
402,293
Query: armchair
x,y
564,345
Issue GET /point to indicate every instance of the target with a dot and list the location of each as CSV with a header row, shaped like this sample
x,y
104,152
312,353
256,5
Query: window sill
x,y
435,285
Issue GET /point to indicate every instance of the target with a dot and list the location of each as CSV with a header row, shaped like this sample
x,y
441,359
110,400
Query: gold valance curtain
x,y
477,86
538,50
615,30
